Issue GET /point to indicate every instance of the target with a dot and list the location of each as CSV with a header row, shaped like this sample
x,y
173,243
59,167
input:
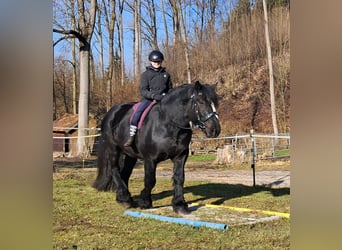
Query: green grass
x,y
201,158
283,152
89,219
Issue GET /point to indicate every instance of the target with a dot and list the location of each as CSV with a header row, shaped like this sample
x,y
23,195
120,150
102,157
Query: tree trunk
x,y
110,18
74,78
87,29
175,21
137,38
122,52
101,62
83,102
270,67
213,5
74,69
153,24
185,42
165,25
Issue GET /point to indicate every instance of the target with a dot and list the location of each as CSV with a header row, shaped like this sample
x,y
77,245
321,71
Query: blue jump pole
x,y
194,223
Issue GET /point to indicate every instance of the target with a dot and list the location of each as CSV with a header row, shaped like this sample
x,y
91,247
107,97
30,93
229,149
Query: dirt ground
x,y
269,178
275,175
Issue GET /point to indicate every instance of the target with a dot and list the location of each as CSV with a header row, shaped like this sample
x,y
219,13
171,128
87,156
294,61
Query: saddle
x,y
144,114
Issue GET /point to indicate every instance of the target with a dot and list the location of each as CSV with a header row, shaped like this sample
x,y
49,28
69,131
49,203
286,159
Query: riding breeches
x,y
136,116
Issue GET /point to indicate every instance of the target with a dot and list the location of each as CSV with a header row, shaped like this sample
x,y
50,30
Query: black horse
x,y
165,134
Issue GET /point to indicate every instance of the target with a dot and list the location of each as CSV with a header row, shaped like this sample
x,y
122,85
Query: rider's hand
x,y
157,97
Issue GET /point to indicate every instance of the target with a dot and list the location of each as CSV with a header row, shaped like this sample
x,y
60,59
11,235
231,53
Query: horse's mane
x,y
181,92
185,91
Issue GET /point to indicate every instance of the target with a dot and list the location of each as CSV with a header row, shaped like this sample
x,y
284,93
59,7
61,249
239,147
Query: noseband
x,y
200,123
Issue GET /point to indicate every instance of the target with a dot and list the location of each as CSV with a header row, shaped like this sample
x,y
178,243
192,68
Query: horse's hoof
x,y
144,204
182,210
126,204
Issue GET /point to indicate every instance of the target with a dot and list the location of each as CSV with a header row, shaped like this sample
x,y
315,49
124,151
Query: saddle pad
x,y
144,114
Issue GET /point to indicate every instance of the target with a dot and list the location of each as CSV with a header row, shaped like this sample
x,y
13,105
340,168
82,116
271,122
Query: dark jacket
x,y
154,82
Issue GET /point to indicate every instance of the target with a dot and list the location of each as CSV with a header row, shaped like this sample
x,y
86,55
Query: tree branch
x,y
71,32
59,40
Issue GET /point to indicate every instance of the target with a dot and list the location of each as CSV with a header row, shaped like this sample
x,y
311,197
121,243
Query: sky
x,y
63,48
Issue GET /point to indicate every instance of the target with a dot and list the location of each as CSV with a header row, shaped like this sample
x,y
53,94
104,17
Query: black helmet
x,y
155,56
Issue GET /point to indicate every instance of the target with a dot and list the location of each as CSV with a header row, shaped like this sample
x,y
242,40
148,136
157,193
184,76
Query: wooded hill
x,y
232,56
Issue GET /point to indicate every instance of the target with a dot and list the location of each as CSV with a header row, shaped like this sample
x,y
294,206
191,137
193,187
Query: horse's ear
x,y
198,86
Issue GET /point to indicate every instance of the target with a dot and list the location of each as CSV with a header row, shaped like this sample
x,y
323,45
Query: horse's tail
x,y
105,158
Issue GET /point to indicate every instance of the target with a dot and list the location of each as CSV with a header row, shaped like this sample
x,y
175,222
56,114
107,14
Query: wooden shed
x,y
66,128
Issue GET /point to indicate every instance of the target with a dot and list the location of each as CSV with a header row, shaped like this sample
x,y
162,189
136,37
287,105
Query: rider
x,y
155,83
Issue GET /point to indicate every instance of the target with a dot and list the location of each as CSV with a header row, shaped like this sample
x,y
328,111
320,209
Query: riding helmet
x,y
156,56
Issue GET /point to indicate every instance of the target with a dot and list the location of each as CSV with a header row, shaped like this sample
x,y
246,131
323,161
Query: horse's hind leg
x,y
126,167
120,180
112,172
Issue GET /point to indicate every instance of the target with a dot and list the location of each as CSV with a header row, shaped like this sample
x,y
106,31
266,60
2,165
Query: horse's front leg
x,y
178,203
145,200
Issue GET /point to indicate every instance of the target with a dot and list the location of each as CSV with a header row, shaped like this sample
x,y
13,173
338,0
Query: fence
x,y
241,148
228,149
253,147
65,140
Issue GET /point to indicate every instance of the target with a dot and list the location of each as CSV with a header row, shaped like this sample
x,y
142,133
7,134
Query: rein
x,y
179,126
200,122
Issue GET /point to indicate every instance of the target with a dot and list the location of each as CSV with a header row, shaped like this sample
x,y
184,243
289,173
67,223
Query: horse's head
x,y
204,103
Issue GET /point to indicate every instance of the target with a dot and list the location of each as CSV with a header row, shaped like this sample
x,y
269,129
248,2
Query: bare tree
x,y
270,67
153,25
200,13
212,19
121,41
84,34
147,22
110,20
99,34
185,41
165,24
175,20
61,87
73,53
137,38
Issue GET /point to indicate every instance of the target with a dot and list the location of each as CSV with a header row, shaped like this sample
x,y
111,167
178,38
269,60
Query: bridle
x,y
200,123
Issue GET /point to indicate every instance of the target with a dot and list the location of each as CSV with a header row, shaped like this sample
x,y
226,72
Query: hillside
x,y
245,97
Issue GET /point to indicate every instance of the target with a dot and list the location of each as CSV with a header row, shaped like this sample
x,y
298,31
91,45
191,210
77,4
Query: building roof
x,y
66,123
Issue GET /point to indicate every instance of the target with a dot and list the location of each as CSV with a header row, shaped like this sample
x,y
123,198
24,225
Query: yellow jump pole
x,y
285,215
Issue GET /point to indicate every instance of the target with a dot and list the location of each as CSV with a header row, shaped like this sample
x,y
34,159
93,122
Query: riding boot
x,y
132,131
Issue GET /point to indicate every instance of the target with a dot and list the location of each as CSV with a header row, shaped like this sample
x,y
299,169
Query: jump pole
x,y
241,209
194,223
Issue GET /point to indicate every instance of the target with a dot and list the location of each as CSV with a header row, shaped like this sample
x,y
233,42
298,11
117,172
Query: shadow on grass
x,y
222,192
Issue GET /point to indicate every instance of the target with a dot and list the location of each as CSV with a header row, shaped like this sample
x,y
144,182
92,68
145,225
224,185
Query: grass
x,y
87,219
201,158
283,152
